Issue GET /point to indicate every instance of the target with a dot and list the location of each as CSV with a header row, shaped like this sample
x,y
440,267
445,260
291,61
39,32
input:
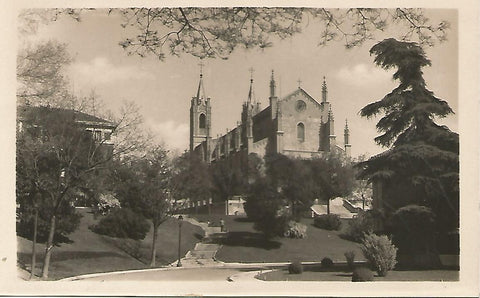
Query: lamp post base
x,y
179,264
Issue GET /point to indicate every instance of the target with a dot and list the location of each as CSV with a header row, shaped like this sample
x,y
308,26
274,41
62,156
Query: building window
x,y
300,132
232,141
300,105
203,121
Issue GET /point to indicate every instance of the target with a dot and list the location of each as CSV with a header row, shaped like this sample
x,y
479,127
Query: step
x,y
206,246
203,254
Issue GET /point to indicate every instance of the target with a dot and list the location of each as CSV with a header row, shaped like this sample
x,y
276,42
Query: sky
x,y
163,89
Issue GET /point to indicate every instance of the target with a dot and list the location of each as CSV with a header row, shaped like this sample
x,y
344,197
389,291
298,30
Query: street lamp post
x,y
180,221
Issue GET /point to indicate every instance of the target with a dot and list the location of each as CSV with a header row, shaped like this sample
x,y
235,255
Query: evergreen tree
x,y
421,164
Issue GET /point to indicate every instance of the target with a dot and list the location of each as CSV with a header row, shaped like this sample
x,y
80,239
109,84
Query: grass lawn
x,y
243,244
342,273
90,252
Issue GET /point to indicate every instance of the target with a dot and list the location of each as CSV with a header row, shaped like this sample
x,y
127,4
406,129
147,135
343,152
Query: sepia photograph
x,y
275,148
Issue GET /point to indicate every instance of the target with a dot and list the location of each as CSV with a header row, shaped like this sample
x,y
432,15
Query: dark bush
x,y
295,267
350,256
328,222
413,230
362,274
327,263
122,223
371,221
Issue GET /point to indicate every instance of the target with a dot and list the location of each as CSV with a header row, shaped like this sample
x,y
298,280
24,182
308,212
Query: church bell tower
x,y
200,120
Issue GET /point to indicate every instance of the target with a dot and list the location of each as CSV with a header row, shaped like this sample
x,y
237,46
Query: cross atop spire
x,y
251,70
299,83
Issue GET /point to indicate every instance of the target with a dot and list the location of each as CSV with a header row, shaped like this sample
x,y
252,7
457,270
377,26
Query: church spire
x,y
201,89
346,133
330,114
272,85
324,90
346,139
251,94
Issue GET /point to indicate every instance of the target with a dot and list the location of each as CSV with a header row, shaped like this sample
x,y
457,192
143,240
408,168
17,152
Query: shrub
x,y
295,267
413,229
328,222
380,252
295,230
122,223
362,274
350,256
327,262
366,222
106,203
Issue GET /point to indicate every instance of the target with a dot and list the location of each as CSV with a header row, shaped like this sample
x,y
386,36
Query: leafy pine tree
x,y
421,166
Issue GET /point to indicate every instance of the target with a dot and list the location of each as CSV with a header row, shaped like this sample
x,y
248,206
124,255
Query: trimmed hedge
x,y
122,223
295,267
327,263
362,274
328,222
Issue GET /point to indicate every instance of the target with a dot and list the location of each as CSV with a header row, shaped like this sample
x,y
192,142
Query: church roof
x,y
300,91
264,113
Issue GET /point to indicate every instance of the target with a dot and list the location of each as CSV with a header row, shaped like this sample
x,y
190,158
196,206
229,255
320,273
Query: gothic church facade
x,y
296,125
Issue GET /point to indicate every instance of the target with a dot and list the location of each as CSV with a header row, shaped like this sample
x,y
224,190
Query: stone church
x,y
296,125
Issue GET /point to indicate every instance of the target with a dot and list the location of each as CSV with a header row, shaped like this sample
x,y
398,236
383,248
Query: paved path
x,y
170,274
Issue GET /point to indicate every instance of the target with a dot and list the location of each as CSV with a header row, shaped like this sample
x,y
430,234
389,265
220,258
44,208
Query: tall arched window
x,y
203,121
300,132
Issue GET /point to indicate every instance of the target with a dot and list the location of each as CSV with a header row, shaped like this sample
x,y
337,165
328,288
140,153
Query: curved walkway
x,y
198,264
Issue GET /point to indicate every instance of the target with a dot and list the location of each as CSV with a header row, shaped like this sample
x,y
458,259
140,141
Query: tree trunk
x,y
48,248
154,246
328,206
34,249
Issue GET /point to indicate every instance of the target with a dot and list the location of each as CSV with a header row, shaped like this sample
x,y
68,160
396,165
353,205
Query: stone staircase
x,y
204,252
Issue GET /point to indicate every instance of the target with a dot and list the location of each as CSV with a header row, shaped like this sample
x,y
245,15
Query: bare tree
x,y
215,32
40,76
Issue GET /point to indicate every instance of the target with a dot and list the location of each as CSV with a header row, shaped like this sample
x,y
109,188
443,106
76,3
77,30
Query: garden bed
x,y
343,273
